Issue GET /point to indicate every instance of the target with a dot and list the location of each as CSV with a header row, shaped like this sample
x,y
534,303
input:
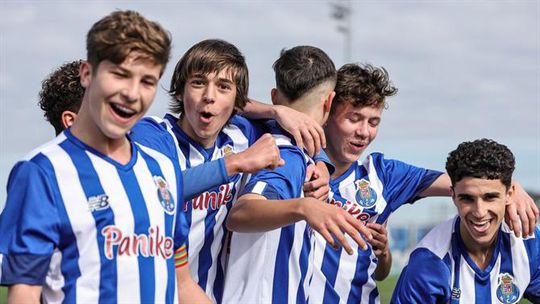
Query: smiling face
x,y
208,104
349,131
481,205
116,96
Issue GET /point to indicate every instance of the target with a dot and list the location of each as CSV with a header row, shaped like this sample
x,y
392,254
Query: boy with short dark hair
x,y
474,257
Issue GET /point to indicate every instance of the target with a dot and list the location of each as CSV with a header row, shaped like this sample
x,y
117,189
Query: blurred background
x,y
464,69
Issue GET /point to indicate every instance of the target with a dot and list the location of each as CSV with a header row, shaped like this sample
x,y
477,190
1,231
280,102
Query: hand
x,y
521,209
379,243
332,221
263,154
307,133
317,181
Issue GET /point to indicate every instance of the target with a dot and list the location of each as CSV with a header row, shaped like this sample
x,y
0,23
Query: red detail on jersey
x,y
353,209
211,199
153,244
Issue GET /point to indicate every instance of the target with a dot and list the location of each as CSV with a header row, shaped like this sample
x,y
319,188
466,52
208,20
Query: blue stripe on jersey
x,y
331,259
93,188
304,260
281,275
360,277
373,296
142,224
155,169
68,241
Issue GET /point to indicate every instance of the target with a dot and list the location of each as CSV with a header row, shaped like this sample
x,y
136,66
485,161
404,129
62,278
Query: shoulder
x,y
439,239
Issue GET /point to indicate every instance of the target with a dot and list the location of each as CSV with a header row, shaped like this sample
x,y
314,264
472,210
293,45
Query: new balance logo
x,y
98,202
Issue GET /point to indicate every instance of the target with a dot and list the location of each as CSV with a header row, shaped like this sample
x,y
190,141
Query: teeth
x,y
123,111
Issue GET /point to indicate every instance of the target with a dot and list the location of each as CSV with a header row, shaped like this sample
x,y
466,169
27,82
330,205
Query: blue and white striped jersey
x,y
441,271
370,191
206,213
273,266
91,230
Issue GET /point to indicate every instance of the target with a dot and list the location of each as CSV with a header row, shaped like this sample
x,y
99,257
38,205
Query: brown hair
x,y
363,85
121,33
205,57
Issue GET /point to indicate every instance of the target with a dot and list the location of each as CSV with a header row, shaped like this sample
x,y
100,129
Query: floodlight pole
x,y
342,11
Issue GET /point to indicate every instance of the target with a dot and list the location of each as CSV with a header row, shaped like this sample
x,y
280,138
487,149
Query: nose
x,y
131,91
209,94
480,208
362,129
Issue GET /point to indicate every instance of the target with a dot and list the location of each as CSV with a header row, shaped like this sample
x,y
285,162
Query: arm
x,y
263,154
188,290
423,280
22,293
254,213
440,187
307,133
381,249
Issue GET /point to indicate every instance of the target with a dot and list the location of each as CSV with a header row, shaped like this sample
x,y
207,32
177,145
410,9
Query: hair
x,y
122,33
205,57
61,91
300,69
482,158
363,85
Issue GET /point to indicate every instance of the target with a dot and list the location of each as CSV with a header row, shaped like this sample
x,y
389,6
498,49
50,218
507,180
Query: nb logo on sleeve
x,y
98,202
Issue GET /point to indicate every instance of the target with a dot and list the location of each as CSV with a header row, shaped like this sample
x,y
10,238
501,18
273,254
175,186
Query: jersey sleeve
x,y
423,280
403,182
29,225
203,177
322,157
250,129
152,133
532,293
281,183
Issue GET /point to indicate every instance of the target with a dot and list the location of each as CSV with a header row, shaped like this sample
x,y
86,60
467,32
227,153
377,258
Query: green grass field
x,y
385,289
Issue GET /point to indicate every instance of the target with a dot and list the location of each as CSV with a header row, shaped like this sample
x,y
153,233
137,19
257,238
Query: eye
x,y
225,86
149,82
119,74
374,122
196,82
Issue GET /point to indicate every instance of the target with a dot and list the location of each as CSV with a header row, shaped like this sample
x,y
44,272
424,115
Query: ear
x,y
85,72
273,95
328,101
68,118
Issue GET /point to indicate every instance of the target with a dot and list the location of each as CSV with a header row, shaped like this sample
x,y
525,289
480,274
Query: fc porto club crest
x,y
365,195
164,195
507,291
227,150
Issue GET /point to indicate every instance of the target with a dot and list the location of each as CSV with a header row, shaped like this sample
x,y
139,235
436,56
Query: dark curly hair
x,y
363,85
300,69
482,158
61,91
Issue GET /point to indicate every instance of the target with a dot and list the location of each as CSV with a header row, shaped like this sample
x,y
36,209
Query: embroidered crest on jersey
x,y
227,150
507,291
365,195
98,202
164,195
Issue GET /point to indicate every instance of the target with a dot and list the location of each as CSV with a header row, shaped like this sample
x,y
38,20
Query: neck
x,y
118,149
479,253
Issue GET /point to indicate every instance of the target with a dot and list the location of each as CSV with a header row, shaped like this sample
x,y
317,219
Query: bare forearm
x,y
22,293
258,110
259,215
188,290
440,187
383,266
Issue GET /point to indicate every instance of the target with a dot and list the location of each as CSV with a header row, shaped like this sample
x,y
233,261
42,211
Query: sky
x,y
464,69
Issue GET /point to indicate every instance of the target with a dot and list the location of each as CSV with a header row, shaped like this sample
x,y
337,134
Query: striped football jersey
x,y
91,230
441,271
206,213
370,191
274,266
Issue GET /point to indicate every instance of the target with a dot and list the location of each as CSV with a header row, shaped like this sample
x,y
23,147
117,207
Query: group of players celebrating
x,y
229,200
